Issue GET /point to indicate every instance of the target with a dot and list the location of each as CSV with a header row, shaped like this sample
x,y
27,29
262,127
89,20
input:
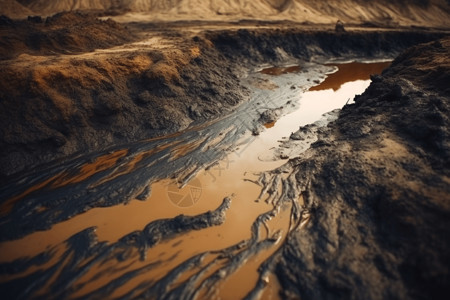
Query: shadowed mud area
x,y
146,248
203,160
377,186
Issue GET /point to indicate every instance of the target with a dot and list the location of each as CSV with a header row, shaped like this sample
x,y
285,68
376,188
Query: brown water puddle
x,y
276,71
172,253
101,163
205,192
270,124
215,184
350,72
236,286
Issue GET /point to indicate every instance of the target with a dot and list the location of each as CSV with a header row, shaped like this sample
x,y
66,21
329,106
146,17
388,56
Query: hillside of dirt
x,y
57,105
377,185
428,13
61,98
63,33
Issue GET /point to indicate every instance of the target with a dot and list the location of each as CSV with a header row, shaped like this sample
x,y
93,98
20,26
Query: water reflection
x,y
233,176
350,72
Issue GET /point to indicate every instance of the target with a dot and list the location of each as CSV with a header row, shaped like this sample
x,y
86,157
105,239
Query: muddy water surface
x,y
108,251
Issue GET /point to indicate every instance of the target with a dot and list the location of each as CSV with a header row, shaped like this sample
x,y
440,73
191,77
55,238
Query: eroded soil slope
x,y
74,83
428,13
63,33
377,184
56,105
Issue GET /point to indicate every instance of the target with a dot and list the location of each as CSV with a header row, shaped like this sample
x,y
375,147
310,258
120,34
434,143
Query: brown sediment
x,y
9,254
183,149
350,72
270,124
132,164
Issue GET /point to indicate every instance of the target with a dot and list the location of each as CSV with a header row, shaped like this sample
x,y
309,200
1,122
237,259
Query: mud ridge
x,y
376,183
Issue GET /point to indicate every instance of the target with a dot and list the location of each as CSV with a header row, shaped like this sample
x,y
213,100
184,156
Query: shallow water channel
x,y
106,225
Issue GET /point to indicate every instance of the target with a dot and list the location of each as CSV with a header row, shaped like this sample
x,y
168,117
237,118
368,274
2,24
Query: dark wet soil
x,y
58,105
63,33
367,205
376,185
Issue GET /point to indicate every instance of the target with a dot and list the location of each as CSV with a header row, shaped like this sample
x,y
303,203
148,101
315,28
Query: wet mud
x,y
344,207
199,254
378,192
165,80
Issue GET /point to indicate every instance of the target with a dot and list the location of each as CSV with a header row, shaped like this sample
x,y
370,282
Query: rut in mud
x,y
116,251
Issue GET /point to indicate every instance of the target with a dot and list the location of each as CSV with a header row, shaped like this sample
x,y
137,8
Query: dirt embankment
x,y
377,184
63,33
428,13
56,104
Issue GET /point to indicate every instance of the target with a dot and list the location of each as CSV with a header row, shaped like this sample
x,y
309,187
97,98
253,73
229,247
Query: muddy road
x,y
270,182
188,214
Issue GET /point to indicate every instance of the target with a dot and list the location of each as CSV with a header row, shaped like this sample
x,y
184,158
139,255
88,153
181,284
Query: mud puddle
x,y
126,239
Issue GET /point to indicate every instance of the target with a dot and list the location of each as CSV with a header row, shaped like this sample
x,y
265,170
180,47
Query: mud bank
x,y
55,106
353,210
377,186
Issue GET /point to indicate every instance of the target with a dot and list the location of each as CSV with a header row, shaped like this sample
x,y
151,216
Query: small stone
x,y
339,26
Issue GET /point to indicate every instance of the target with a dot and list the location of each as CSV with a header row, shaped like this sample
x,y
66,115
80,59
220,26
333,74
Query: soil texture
x,y
377,186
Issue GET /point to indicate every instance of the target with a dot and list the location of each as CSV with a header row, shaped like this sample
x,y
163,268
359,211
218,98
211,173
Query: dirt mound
x,y
65,33
59,105
399,12
55,106
376,184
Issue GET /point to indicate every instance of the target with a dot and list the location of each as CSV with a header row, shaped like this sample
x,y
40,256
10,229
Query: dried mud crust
x,y
377,184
